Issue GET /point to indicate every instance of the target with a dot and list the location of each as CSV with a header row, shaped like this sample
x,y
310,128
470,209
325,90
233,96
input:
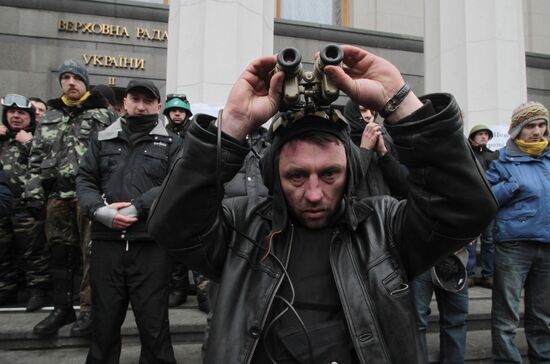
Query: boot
x,y
83,324
177,297
37,300
63,262
486,282
58,318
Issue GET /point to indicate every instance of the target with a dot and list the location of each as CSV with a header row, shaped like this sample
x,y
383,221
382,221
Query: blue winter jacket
x,y
521,184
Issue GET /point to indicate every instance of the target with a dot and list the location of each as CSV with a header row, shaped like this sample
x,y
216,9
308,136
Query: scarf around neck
x,y
534,149
72,103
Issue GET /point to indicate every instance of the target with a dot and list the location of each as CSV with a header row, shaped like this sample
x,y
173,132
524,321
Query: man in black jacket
x,y
310,274
118,179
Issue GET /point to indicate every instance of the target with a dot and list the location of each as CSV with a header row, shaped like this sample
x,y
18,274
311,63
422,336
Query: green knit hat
x,y
524,114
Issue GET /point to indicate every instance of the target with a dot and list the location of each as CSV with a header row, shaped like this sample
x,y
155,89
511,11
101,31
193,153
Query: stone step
x,y
479,311
184,353
478,350
186,326
478,346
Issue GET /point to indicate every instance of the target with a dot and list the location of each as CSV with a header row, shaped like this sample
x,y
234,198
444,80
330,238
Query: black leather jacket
x,y
382,245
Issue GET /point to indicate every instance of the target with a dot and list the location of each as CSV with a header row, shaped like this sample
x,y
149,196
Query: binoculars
x,y
309,90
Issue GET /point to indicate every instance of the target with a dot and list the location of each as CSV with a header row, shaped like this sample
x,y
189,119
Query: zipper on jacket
x,y
127,245
383,345
264,319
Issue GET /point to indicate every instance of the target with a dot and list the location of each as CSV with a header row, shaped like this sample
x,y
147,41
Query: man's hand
x,y
121,222
253,99
23,136
370,136
110,217
3,130
371,81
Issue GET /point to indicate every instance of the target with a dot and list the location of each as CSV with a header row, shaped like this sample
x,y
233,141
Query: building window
x,y
331,12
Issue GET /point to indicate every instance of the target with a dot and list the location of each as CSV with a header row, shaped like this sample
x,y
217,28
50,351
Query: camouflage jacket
x,y
14,156
60,141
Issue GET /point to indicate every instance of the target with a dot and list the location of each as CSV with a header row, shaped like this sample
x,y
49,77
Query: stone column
x,y
210,44
475,50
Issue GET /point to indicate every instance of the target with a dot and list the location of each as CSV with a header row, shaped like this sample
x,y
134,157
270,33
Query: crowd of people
x,y
321,239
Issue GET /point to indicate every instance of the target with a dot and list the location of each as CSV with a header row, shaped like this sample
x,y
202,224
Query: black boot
x,y
83,324
177,297
63,264
59,317
37,299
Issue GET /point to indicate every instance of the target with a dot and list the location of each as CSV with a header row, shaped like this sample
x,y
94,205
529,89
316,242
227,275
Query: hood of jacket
x,y
269,167
355,121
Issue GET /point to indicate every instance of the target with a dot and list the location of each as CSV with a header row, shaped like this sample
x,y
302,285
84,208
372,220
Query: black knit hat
x,y
75,67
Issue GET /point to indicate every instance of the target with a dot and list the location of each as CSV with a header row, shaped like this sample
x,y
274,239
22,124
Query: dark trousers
x,y
136,272
23,246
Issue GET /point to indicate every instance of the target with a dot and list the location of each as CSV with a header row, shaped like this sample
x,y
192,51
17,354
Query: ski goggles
x,y
11,100
182,97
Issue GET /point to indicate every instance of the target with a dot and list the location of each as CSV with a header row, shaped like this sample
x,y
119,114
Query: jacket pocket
x,y
109,157
155,164
395,285
48,173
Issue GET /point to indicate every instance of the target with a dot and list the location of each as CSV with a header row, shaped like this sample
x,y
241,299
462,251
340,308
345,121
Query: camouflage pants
x,y
23,252
65,225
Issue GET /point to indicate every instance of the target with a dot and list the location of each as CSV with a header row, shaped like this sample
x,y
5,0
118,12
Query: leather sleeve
x,y
187,218
395,175
450,201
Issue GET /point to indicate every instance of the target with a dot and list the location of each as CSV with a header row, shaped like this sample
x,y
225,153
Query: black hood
x,y
269,165
355,121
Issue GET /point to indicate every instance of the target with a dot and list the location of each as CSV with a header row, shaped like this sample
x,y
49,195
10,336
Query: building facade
x,y
118,40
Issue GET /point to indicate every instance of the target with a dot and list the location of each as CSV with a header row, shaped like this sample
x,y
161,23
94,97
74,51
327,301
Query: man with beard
x,y
60,141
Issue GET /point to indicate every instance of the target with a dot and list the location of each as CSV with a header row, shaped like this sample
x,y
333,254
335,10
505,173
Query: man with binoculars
x,y
311,274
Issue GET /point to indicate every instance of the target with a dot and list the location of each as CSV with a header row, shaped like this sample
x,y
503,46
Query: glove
x,y
129,211
105,215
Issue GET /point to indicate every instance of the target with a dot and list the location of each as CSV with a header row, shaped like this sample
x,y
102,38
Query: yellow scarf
x,y
71,103
534,149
